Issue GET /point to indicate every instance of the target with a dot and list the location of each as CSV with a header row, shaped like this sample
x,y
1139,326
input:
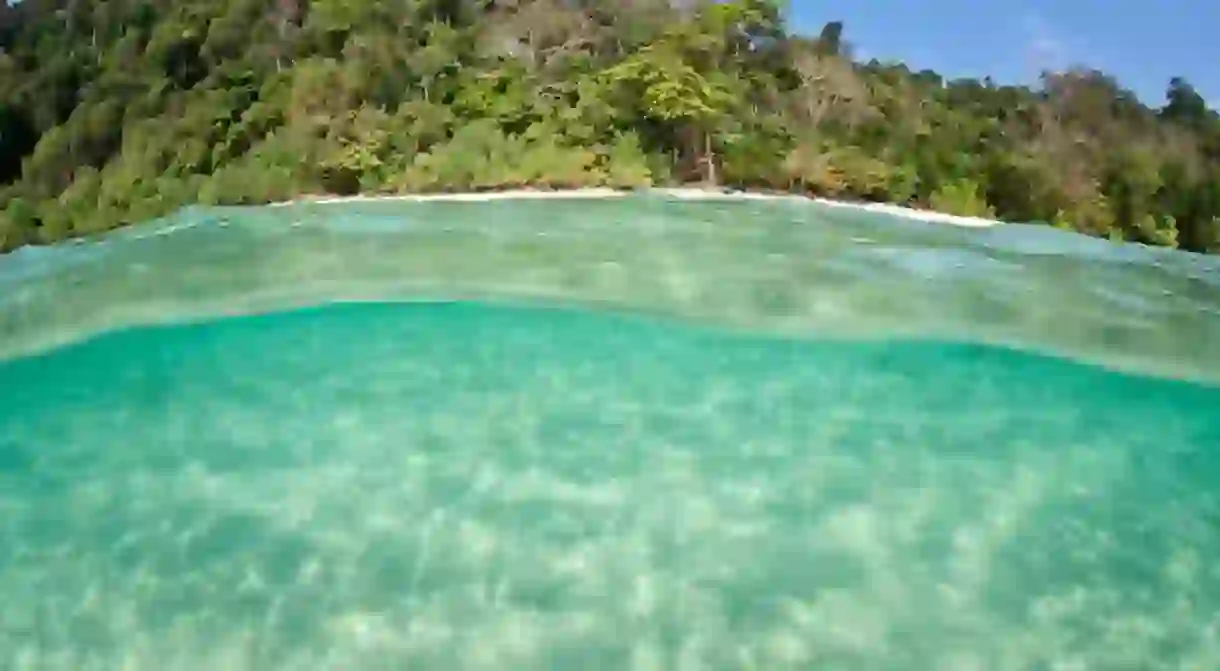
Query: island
x,y
117,112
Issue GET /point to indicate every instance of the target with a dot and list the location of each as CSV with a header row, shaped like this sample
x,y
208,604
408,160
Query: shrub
x,y
962,197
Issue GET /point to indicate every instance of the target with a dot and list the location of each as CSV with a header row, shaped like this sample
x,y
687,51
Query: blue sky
x,y
1143,44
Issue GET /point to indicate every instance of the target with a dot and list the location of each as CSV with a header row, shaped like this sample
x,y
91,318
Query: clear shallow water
x,y
480,485
783,266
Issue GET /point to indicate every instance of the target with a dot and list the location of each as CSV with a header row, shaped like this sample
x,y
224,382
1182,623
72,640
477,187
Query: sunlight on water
x,y
458,485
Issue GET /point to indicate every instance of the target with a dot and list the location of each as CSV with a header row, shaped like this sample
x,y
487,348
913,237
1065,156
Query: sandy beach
x,y
880,208
472,196
687,193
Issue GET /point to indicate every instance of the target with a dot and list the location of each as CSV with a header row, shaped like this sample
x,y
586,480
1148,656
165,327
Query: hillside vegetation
x,y
117,111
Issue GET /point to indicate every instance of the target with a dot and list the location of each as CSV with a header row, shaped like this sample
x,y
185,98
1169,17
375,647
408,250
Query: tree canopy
x,y
114,112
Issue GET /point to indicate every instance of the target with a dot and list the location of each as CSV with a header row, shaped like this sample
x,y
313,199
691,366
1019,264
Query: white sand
x,y
679,193
880,208
912,213
471,197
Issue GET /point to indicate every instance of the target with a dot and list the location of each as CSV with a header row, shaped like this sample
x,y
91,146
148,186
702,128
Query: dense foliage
x,y
117,111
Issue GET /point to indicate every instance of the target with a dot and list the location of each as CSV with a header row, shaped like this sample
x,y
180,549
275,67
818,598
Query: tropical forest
x,y
117,112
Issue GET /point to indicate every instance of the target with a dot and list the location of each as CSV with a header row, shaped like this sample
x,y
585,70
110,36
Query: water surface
x,y
791,267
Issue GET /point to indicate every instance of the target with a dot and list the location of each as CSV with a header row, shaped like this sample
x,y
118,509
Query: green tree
x,y
665,89
112,112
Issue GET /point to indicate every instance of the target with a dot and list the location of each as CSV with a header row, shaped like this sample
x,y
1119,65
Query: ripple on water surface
x,y
465,486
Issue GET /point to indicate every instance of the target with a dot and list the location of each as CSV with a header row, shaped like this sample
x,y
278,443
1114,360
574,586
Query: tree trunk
x,y
709,159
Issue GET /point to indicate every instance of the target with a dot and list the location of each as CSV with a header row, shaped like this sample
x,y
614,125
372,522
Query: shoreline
x,y
678,193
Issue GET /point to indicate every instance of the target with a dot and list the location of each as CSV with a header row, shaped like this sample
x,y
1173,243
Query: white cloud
x,y
1045,48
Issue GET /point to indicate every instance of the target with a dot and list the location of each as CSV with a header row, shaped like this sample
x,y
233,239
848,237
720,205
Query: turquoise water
x,y
731,436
